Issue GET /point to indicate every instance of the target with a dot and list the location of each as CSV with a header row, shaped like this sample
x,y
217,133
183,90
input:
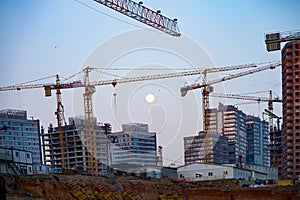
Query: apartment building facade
x,y
230,122
258,151
20,133
291,110
134,145
194,148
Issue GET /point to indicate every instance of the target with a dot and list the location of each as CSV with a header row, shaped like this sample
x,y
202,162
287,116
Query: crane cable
x,y
40,79
103,13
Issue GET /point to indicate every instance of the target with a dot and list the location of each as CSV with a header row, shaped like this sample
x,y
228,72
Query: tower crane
x,y
273,40
90,89
60,119
275,139
143,14
88,106
207,89
269,99
272,115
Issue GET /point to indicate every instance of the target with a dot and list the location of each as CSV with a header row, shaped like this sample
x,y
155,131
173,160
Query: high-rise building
x,y
258,152
75,147
134,145
230,122
194,148
291,110
21,133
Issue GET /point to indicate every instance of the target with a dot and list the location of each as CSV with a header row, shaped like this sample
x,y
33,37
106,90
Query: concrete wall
x,y
6,154
271,172
242,174
20,156
169,172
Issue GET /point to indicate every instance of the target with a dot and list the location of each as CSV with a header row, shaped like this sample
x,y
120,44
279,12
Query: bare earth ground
x,y
70,187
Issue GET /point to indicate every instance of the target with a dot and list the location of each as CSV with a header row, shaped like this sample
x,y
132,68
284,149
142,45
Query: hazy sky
x,y
43,38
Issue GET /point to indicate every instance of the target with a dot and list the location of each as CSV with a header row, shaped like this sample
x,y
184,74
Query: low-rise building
x,y
16,161
204,172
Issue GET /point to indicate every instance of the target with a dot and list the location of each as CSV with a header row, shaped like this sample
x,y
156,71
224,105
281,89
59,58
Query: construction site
x,y
235,155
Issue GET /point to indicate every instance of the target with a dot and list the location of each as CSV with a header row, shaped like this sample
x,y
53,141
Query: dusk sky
x,y
44,38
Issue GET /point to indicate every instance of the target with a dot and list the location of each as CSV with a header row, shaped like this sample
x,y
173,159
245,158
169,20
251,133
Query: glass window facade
x,y
134,145
21,133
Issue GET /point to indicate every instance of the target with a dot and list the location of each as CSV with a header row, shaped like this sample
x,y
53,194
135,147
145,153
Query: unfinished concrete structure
x,y
76,151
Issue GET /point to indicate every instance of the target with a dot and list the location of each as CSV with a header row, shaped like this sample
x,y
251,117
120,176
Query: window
x,y
17,154
198,175
181,176
28,155
225,172
210,174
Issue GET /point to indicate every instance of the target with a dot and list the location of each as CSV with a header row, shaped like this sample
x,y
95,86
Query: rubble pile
x,y
79,187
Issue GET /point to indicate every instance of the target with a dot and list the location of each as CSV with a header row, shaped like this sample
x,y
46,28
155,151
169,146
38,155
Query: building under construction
x,y
75,147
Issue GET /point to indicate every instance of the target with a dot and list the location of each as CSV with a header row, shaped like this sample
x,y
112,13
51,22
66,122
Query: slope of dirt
x,y
70,187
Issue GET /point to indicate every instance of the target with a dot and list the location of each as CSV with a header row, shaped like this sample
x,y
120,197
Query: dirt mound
x,y
88,187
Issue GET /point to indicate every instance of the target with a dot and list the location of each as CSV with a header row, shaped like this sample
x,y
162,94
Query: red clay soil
x,y
70,187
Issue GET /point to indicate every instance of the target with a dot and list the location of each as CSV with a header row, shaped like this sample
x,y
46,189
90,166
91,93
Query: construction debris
x,y
80,187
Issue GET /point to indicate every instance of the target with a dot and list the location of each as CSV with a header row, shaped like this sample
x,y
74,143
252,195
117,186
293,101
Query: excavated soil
x,y
68,187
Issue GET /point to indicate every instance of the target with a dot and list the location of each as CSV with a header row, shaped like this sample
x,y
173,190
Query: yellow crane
x,y
89,91
207,89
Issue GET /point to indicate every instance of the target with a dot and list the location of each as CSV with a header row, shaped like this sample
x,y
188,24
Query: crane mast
x,y
60,119
89,90
143,14
271,108
205,109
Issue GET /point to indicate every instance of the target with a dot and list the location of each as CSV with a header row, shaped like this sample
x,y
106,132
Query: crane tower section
x,y
143,14
89,117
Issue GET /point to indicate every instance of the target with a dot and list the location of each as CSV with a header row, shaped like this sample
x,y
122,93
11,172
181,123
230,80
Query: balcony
x,y
289,145
289,169
289,138
286,77
289,118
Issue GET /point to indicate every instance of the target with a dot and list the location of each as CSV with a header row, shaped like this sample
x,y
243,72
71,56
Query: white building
x,y
203,172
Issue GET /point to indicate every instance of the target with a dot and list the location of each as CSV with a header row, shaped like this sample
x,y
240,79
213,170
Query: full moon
x,y
150,98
